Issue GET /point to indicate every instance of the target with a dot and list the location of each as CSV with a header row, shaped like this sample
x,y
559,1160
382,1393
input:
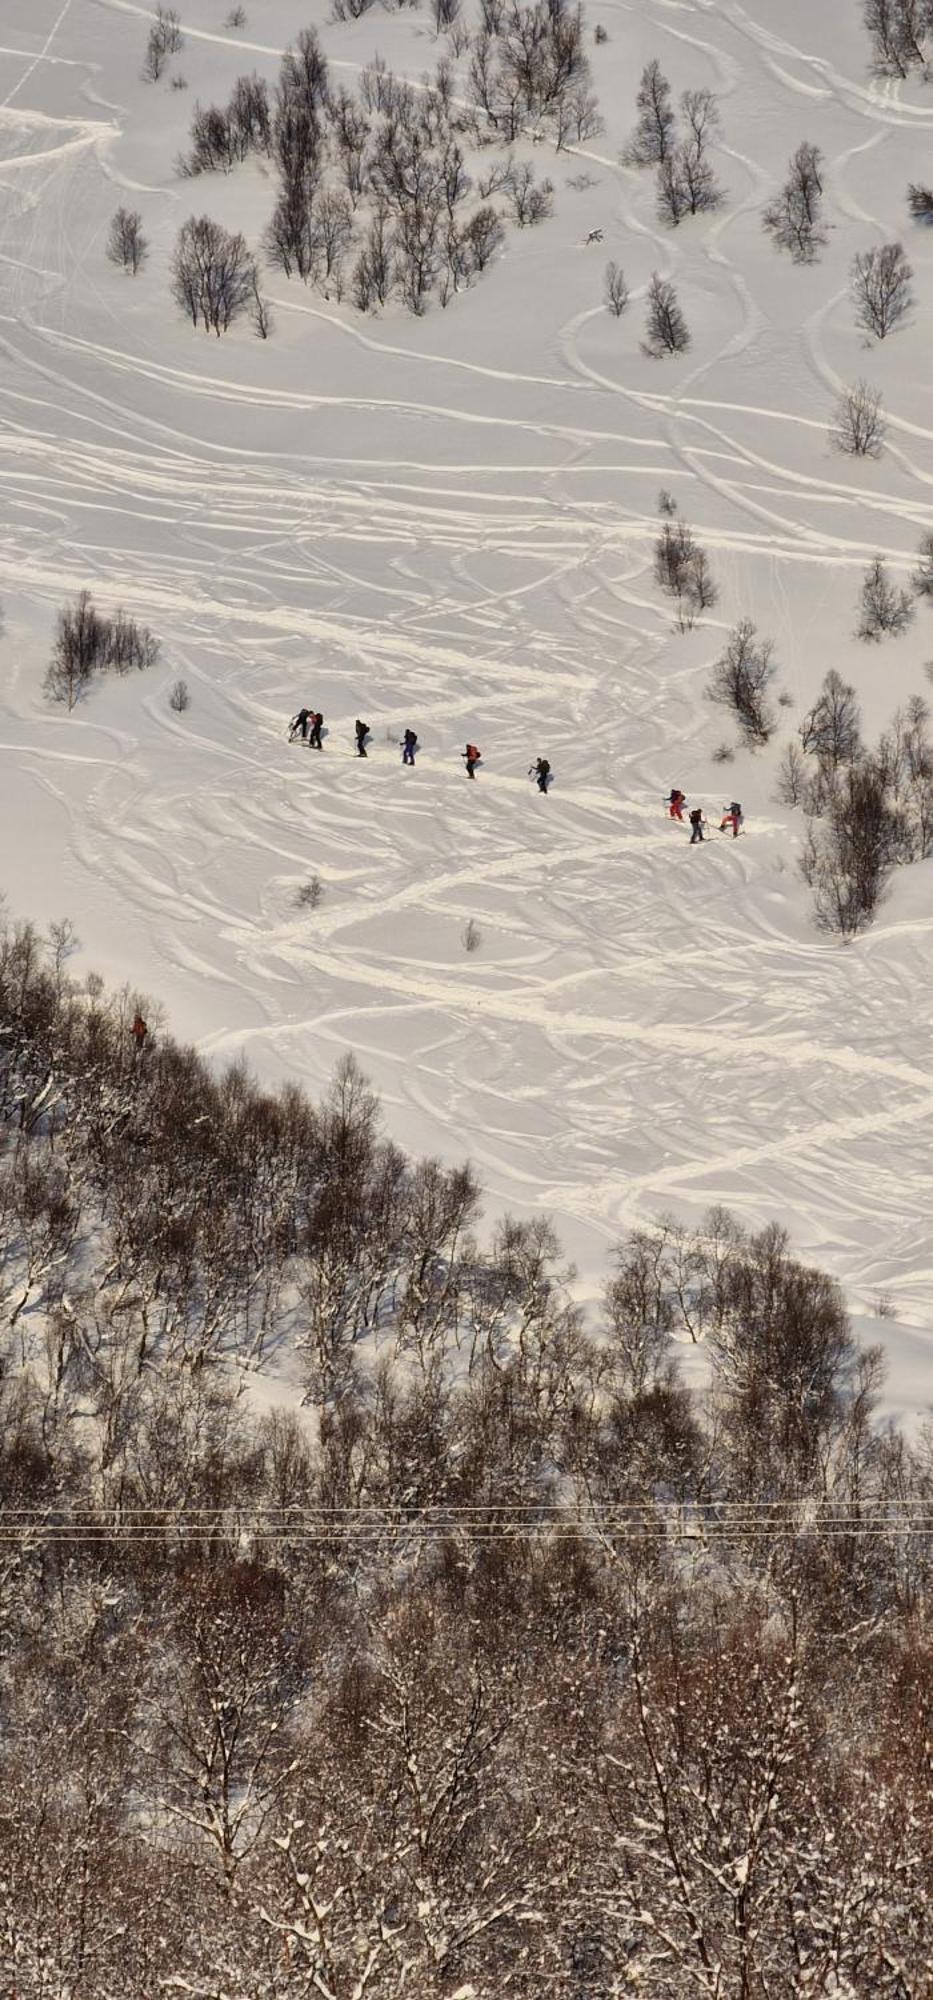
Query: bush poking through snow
x,y
665,327
858,426
617,293
849,856
653,139
88,642
682,569
179,699
310,894
213,274
920,203
884,608
793,777
900,31
741,680
793,218
832,731
165,39
126,244
686,182
532,201
881,291
471,935
922,578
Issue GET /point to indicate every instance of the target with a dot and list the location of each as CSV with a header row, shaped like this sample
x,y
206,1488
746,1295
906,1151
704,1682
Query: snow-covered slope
x,y
448,522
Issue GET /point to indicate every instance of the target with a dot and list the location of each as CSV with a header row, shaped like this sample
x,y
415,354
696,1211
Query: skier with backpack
x,y
299,725
676,804
697,823
409,744
362,731
314,740
732,815
471,757
541,772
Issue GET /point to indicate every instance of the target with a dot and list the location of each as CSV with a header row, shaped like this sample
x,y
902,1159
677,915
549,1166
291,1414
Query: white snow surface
x,y
448,522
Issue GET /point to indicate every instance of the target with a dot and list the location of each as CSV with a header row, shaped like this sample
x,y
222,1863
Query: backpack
x,y
472,753
696,816
736,809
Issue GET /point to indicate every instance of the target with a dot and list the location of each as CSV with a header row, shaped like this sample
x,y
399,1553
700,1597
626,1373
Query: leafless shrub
x,y
899,32
848,861
794,218
724,754
920,202
531,201
858,427
471,935
373,274
180,698
792,776
831,731
665,327
905,762
884,608
881,290
617,292
497,179
236,18
922,578
126,244
600,33
310,894
89,642
653,138
260,310
165,39
682,569
213,274
483,235
686,182
742,678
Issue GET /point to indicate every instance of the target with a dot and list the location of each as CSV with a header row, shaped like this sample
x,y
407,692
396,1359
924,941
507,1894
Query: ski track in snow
x,y
428,521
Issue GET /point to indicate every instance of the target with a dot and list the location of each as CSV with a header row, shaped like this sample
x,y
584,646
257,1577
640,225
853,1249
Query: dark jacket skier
x,y
696,825
541,772
314,740
362,731
409,746
471,758
299,725
732,815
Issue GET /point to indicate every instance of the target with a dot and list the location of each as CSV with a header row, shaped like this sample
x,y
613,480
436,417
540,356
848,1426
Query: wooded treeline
x,y
472,1763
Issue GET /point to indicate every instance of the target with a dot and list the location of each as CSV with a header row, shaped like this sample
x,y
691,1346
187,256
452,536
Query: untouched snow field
x,y
448,522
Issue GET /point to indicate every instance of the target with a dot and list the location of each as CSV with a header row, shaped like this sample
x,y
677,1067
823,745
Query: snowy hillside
x,y
448,522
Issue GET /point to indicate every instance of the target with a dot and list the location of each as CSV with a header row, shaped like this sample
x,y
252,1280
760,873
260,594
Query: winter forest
x,y
466,831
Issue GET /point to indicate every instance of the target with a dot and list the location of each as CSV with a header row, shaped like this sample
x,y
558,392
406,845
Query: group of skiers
x,y
732,816
308,724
